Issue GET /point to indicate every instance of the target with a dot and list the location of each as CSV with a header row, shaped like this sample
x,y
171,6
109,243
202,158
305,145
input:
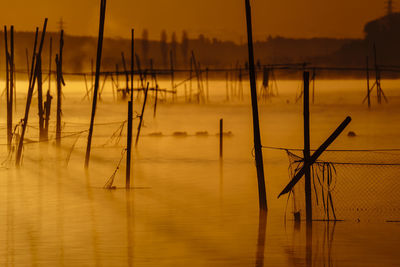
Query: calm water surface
x,y
187,207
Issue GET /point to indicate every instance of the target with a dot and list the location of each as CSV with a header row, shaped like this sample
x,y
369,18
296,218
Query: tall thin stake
x,y
40,96
306,152
221,137
30,92
60,81
96,83
9,127
368,89
129,145
50,58
132,60
256,126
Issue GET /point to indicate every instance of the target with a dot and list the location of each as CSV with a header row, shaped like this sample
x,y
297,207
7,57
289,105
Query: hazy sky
x,y
215,18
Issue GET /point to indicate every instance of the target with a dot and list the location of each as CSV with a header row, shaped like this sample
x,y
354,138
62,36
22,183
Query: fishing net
x,y
350,185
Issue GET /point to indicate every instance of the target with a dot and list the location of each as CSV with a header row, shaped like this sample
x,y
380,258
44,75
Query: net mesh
x,y
350,185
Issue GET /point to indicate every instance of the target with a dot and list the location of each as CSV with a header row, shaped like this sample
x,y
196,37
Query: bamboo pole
x,y
60,82
221,137
129,144
316,155
306,151
50,57
40,96
47,109
96,83
132,60
30,92
368,89
256,126
12,93
9,127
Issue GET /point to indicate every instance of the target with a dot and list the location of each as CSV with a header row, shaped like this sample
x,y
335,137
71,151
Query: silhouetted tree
x,y
185,47
164,48
145,46
173,46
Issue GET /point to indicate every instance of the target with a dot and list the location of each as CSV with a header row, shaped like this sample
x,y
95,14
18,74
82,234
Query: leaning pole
x,y
256,126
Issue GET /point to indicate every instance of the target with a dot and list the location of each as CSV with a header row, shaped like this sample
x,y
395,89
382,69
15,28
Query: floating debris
x,y
351,134
202,133
156,134
180,134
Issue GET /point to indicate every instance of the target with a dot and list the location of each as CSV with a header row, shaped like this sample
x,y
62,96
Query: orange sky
x,y
216,18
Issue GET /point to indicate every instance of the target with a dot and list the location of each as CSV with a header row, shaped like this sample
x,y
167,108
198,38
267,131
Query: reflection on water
x,y
187,207
262,231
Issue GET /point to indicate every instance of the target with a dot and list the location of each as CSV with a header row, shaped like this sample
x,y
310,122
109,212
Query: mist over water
x,y
187,206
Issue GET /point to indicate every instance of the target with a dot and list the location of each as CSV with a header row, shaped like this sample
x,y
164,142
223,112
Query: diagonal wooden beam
x,y
316,155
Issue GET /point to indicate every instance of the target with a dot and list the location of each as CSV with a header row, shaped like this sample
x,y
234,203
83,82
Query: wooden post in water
x,y
306,151
256,126
9,127
59,88
96,83
368,89
47,109
221,137
130,119
40,96
129,145
132,60
50,58
30,92
12,93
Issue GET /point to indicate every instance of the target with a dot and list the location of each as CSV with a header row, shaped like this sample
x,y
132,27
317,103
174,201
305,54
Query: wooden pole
x,y
256,126
129,145
47,109
306,151
59,88
221,137
30,93
315,155
9,126
368,89
13,78
96,83
50,57
40,96
141,115
132,60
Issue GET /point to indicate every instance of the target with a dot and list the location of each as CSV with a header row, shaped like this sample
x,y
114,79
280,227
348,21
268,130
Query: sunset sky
x,y
215,18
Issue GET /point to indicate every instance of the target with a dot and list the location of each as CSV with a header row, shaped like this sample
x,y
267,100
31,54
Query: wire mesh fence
x,y
350,185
